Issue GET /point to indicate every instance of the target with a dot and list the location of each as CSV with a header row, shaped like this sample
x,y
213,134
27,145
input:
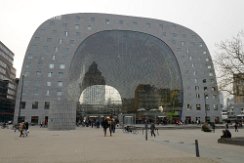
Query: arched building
x,y
151,63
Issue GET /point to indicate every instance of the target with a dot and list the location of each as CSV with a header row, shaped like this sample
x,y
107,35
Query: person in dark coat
x,y
213,127
105,126
236,127
26,129
152,128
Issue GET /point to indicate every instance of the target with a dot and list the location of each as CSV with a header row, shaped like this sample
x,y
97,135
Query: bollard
x,y
197,149
146,131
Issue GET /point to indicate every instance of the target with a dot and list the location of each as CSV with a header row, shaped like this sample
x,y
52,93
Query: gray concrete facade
x,y
50,53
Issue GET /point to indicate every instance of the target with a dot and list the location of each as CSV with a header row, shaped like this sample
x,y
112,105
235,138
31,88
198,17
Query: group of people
x,y
88,122
43,124
23,129
108,123
227,133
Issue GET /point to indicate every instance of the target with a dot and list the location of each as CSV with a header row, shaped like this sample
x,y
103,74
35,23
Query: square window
x,y
51,66
198,107
29,57
92,19
206,96
38,73
121,22
188,106
197,95
72,41
62,66
215,107
196,87
60,84
50,74
49,84
174,34
107,21
77,18
148,25
59,93
49,39
66,34
60,41
47,105
207,107
60,74
182,43
77,26
35,105
22,104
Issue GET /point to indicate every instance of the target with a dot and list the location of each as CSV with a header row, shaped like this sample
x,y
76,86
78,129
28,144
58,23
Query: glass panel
x,y
141,67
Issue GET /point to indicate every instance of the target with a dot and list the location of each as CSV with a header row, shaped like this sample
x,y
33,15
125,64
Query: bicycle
x,y
130,129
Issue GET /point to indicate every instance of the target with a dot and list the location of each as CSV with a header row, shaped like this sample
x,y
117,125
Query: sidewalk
x,y
88,145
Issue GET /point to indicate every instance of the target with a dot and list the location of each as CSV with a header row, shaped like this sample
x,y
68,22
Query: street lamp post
x,y
20,99
206,113
146,129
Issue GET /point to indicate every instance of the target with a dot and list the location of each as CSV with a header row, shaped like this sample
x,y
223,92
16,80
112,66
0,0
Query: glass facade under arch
x,y
140,66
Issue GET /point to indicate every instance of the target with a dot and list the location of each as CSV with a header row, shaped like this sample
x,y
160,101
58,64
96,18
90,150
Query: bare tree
x,y
230,62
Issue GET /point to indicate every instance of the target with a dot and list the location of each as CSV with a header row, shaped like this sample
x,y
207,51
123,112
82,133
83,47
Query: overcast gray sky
x,y
213,20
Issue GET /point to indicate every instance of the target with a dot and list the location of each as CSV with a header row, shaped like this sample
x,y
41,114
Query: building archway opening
x,y
97,102
143,68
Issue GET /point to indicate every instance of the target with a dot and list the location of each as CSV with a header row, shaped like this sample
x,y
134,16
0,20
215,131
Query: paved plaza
x,y
88,145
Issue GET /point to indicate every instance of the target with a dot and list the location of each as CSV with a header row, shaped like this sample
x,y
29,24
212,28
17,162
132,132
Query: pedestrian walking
x,y
110,125
152,128
105,126
236,127
26,129
21,129
213,127
113,125
227,126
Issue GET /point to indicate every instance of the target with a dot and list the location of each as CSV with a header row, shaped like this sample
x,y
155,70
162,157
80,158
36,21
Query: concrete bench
x,y
234,141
